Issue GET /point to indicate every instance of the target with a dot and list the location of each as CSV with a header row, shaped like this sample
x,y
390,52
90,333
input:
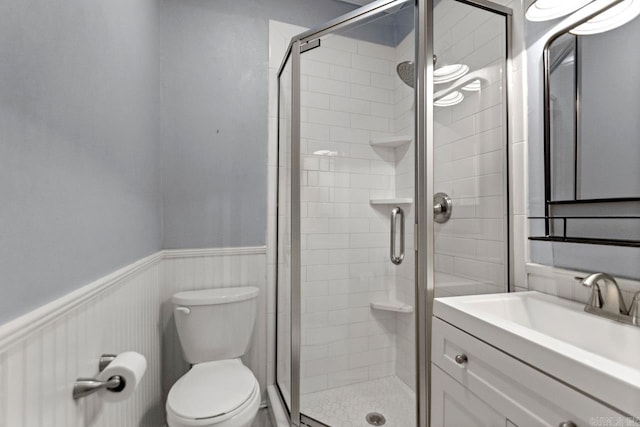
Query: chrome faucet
x,y
634,310
611,301
608,302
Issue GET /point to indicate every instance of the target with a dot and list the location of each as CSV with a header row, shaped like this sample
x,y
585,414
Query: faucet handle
x,y
634,310
596,295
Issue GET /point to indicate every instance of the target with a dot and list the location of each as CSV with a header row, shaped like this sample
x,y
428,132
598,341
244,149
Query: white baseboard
x,y
25,325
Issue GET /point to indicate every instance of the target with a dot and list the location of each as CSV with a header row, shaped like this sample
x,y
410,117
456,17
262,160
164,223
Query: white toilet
x,y
214,326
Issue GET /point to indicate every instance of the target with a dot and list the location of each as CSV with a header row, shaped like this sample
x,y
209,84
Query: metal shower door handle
x,y
395,213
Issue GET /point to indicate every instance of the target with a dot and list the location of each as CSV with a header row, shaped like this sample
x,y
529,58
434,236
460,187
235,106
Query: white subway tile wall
x,y
351,94
354,95
405,187
562,282
471,145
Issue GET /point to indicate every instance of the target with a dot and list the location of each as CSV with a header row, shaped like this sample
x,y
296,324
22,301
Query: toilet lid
x,y
211,389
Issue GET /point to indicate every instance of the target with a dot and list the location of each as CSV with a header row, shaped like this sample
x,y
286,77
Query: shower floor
x,y
349,405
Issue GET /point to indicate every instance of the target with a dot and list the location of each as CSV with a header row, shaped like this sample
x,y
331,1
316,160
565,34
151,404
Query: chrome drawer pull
x,y
461,359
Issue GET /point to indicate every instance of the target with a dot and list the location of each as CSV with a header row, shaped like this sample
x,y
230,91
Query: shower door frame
x,y
425,183
424,247
297,46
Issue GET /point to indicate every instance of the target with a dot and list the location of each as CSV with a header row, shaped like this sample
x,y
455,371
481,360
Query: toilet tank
x,y
215,324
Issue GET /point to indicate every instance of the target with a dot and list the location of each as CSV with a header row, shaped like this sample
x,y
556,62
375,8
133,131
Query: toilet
x,y
215,327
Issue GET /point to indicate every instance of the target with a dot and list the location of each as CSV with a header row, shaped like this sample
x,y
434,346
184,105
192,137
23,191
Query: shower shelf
x,y
398,201
391,141
397,306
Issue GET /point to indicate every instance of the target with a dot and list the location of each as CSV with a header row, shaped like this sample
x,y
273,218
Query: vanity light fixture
x,y
449,73
611,18
449,99
546,10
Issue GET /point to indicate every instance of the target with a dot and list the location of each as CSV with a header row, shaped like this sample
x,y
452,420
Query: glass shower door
x,y
357,281
471,149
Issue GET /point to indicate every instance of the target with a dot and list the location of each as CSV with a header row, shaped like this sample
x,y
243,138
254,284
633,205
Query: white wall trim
x,y
30,323
207,252
22,327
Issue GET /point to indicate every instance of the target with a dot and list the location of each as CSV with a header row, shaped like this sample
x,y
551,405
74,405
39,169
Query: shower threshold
x,y
348,406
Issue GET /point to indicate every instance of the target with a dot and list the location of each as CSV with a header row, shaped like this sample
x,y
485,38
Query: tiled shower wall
x,y
486,257
405,187
470,154
348,97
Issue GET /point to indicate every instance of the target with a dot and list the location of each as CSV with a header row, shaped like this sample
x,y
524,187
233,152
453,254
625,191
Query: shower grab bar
x,y
395,213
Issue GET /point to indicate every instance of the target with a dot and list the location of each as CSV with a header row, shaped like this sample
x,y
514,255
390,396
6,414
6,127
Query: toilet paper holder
x,y
85,386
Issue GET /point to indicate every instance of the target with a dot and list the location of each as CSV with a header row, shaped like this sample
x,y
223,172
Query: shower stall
x,y
392,190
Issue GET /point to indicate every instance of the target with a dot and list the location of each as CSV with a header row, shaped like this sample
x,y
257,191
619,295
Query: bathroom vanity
x,y
530,359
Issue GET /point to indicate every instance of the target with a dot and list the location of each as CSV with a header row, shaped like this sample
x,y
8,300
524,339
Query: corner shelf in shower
x,y
397,201
391,141
396,306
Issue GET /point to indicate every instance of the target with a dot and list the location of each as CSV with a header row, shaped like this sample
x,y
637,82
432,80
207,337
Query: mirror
x,y
592,137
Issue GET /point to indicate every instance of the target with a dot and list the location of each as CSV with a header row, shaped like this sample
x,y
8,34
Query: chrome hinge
x,y
309,45
415,237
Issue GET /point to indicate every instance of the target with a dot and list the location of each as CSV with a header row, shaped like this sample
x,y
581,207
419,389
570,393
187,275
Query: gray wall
x,y
619,261
214,64
609,110
81,176
79,152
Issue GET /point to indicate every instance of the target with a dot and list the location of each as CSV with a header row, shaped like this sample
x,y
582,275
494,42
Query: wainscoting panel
x,y
43,352
213,268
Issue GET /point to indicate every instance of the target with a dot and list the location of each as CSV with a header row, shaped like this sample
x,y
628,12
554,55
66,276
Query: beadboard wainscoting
x,y
44,351
213,268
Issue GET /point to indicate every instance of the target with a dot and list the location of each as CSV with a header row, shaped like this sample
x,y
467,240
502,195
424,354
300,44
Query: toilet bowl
x,y
215,327
223,393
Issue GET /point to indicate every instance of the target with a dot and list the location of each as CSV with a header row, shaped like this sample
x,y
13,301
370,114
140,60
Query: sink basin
x,y
597,356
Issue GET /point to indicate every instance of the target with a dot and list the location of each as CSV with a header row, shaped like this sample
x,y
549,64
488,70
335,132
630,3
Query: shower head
x,y
406,71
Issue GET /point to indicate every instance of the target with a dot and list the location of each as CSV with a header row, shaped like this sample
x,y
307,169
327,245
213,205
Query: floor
x,y
263,419
348,406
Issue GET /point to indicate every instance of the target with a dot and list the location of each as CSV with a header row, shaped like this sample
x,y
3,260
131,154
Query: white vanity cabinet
x,y
486,386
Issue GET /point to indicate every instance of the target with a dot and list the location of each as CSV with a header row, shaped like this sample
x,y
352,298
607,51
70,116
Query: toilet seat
x,y
212,392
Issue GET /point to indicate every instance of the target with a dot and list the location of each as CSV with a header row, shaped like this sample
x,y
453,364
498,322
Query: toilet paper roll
x,y
130,366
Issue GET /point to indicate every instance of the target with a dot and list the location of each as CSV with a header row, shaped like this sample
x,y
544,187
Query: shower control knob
x,y
442,207
567,424
461,359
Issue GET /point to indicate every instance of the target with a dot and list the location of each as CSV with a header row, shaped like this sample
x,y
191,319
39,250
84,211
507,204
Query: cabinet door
x,y
453,405
522,394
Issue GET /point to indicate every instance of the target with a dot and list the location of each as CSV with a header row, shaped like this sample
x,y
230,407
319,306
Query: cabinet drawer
x,y
526,396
